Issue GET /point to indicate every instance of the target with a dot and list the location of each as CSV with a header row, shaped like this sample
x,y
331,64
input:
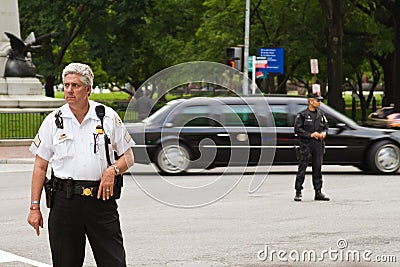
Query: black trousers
x,y
313,150
72,220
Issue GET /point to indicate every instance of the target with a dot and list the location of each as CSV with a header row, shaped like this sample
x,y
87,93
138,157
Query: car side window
x,y
332,121
239,115
193,116
297,109
279,113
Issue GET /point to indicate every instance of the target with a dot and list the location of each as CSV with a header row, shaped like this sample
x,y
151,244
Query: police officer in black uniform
x,y
311,127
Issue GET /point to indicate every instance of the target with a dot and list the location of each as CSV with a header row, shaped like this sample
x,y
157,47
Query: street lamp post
x,y
246,50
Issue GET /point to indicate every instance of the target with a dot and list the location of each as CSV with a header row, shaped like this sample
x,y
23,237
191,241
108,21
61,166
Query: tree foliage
x,y
131,40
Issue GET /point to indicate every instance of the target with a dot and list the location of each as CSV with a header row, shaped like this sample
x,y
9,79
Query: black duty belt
x,y
78,187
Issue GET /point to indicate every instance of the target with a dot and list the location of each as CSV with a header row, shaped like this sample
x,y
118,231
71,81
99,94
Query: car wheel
x,y
172,158
384,157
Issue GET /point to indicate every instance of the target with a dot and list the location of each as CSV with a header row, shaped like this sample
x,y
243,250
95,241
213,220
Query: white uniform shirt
x,y
78,151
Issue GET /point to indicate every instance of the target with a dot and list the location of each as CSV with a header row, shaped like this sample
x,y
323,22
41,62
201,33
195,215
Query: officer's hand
x,y
106,187
315,135
35,219
322,135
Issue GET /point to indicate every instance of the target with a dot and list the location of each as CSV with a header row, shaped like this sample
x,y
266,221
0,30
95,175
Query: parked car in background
x,y
236,131
384,118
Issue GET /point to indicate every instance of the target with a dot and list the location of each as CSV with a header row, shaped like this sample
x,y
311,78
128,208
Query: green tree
x,y
388,13
363,40
131,40
296,28
88,31
66,18
383,42
334,14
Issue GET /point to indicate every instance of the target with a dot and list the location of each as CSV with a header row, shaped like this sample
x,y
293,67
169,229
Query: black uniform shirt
x,y
308,122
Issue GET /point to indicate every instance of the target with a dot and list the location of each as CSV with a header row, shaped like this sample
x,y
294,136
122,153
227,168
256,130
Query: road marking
x,y
9,257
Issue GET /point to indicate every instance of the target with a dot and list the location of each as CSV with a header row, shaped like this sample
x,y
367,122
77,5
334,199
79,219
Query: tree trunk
x,y
333,11
388,66
396,91
49,86
282,88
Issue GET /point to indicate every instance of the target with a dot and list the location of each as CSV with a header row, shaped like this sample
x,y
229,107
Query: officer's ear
x,y
89,90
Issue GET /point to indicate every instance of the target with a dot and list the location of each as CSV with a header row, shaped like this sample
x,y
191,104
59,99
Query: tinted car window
x,y
239,115
279,112
193,116
332,121
297,109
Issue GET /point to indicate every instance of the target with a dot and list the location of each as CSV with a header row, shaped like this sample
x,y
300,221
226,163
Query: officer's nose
x,y
67,88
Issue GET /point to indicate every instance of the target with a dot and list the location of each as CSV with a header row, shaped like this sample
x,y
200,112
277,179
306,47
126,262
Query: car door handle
x,y
223,135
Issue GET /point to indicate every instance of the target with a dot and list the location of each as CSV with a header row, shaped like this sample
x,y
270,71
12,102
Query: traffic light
x,y
234,57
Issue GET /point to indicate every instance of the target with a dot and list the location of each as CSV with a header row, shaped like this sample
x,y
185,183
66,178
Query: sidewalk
x,y
15,155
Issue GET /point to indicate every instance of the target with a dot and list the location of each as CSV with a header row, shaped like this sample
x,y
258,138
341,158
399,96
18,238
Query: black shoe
x,y
320,196
298,196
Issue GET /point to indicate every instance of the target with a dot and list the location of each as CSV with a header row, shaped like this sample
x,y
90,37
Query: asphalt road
x,y
163,227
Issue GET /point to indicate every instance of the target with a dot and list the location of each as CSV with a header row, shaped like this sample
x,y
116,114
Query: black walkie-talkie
x,y
118,182
101,112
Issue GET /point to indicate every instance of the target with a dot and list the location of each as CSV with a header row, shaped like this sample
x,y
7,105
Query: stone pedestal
x,y
18,92
25,93
23,86
32,101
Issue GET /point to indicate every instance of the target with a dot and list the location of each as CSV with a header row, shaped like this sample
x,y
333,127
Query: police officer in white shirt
x,y
75,139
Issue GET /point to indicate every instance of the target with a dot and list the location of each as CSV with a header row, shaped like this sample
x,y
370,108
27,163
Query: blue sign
x,y
274,57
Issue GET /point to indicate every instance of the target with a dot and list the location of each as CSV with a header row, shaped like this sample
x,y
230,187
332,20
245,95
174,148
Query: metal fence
x,y
20,124
24,123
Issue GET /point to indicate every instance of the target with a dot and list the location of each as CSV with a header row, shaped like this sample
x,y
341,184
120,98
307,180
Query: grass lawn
x,y
116,96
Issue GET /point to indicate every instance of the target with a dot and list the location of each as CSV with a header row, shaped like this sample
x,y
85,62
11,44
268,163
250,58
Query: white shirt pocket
x,y
64,147
98,147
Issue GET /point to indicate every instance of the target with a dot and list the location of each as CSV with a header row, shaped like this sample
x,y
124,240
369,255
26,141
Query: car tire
x,y
384,157
363,167
172,158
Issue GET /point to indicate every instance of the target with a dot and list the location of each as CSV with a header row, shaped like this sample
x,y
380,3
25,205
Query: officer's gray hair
x,y
82,69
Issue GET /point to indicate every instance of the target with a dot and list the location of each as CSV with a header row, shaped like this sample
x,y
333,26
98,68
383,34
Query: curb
x,y
18,161
15,142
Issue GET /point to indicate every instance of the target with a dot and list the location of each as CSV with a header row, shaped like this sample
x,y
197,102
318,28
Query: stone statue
x,y
19,62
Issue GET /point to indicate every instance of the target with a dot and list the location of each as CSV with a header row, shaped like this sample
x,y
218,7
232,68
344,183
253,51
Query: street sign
x,y
316,89
261,74
261,63
314,66
275,59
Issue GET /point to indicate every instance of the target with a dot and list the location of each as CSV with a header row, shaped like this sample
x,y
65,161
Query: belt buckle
x,y
87,191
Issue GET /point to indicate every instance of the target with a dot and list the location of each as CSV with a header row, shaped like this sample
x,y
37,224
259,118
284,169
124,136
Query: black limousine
x,y
247,131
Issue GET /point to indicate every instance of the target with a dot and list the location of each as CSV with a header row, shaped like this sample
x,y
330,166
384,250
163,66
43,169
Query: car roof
x,y
241,99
